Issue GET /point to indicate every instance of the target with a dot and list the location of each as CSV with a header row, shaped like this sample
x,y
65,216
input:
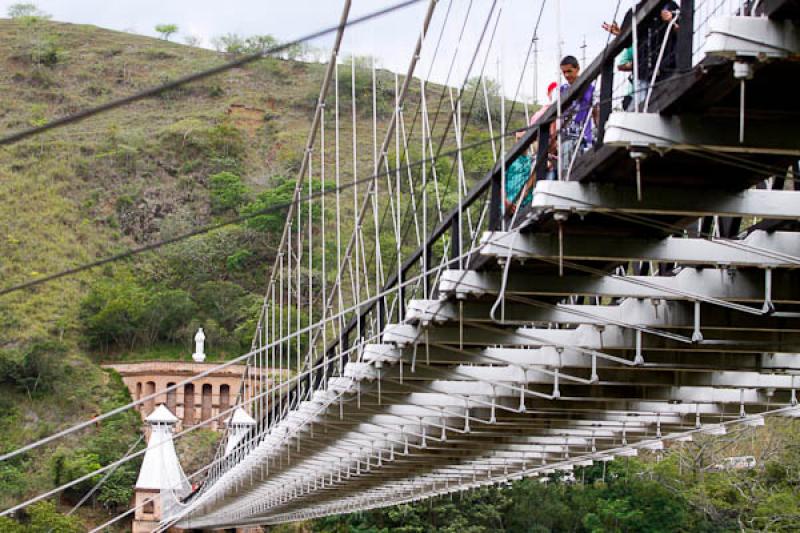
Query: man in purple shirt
x,y
576,119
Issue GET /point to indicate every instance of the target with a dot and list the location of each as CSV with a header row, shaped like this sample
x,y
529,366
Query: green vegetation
x,y
35,369
153,170
235,44
42,517
676,493
227,191
26,11
166,30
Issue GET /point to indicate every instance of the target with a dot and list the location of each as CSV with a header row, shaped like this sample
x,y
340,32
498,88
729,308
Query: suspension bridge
x,y
431,336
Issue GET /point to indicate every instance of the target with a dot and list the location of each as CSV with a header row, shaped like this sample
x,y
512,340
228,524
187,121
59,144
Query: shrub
x,y
227,191
117,491
199,259
273,220
238,260
111,312
36,368
274,205
231,43
42,517
13,480
45,50
166,312
69,465
259,43
125,314
224,302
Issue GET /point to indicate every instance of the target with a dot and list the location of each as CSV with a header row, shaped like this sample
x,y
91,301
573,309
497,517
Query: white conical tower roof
x,y
241,418
161,415
161,469
238,425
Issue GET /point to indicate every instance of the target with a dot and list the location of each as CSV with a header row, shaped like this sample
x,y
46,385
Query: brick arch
x,y
188,404
205,402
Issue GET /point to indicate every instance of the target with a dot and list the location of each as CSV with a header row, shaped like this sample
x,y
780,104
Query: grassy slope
x,y
61,192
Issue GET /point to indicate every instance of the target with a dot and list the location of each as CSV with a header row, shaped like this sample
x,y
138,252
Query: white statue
x,y
199,354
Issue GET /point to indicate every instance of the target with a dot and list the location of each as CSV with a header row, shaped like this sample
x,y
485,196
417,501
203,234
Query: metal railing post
x,y
427,278
542,151
685,36
606,95
455,244
496,204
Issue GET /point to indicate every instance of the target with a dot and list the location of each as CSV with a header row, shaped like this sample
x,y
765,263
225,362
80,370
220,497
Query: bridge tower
x,y
160,471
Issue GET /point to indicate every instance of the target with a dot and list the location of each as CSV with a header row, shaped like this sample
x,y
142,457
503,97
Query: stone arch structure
x,y
172,398
203,399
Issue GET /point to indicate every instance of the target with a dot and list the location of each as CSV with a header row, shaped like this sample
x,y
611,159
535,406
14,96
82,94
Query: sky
x,y
566,26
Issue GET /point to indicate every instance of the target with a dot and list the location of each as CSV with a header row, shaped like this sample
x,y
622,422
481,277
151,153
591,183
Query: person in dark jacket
x,y
654,32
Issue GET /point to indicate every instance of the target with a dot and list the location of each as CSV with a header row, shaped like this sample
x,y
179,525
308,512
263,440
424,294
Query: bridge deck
x,y
602,325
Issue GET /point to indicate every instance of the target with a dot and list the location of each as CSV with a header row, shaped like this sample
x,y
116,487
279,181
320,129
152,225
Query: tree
x,y
259,43
36,368
230,43
26,10
192,40
166,30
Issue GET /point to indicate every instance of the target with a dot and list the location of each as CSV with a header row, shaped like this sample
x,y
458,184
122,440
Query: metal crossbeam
x,y
761,249
752,37
549,356
686,132
589,337
631,313
603,198
709,283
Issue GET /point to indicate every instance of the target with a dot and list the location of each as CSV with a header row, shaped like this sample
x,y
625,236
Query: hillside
x,y
123,179
136,174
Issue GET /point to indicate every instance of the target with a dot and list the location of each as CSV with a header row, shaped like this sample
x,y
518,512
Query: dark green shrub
x,y
45,51
42,517
227,191
272,203
36,368
125,314
70,465
224,302
237,261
